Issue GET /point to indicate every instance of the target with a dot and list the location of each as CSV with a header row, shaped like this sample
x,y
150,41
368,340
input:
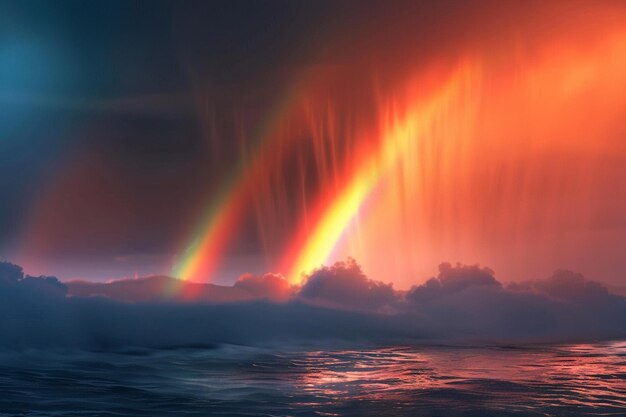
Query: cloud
x,y
268,286
469,301
14,284
452,280
461,304
566,285
344,285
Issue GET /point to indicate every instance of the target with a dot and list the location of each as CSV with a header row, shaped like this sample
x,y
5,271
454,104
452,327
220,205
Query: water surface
x,y
569,380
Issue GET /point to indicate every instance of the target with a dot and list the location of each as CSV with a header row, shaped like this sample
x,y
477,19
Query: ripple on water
x,y
574,380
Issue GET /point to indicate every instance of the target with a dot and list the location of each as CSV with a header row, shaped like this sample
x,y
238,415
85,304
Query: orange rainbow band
x,y
337,211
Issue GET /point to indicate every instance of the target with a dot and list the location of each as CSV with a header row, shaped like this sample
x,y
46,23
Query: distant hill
x,y
160,288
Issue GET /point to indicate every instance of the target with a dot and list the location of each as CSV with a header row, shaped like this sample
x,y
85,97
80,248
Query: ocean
x,y
228,380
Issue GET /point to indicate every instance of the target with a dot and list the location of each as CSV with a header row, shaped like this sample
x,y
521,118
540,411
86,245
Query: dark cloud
x,y
566,285
452,280
13,283
469,302
344,285
462,304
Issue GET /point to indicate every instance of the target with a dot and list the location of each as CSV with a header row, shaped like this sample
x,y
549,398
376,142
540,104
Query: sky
x,y
205,140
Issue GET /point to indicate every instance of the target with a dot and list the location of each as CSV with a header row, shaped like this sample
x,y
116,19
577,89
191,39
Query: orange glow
x,y
401,132
401,373
496,149
498,162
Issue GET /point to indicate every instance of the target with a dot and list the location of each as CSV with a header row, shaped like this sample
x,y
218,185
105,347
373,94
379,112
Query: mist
x,y
335,304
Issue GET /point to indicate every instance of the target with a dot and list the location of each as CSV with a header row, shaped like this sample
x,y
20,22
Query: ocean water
x,y
564,380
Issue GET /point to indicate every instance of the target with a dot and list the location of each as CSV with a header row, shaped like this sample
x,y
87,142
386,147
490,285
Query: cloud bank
x,y
462,304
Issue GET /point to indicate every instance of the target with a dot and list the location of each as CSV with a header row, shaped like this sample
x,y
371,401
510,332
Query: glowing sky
x,y
207,140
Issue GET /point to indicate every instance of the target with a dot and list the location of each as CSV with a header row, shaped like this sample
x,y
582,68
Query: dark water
x,y
573,380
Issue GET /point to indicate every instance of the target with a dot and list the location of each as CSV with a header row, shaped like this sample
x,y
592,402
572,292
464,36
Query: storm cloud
x,y
462,304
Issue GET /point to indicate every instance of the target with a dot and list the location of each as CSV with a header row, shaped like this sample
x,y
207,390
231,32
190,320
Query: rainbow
x,y
219,224
315,245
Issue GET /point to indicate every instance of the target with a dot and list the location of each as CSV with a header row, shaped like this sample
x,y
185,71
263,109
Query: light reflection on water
x,y
584,379
574,380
